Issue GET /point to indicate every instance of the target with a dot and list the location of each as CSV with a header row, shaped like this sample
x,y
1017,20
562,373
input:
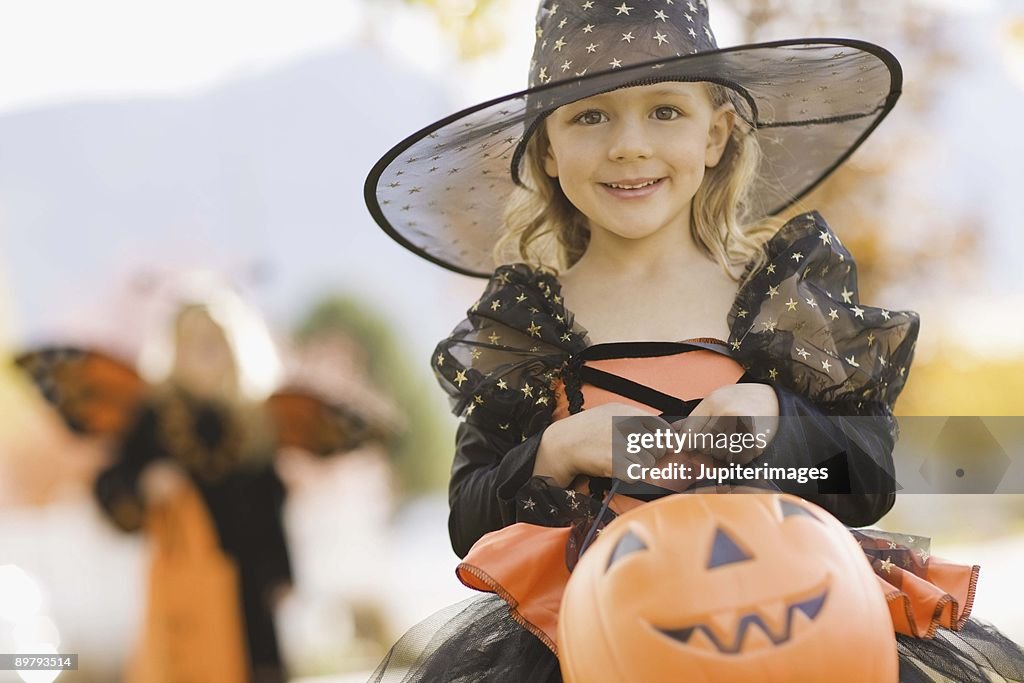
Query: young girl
x,y
193,466
635,178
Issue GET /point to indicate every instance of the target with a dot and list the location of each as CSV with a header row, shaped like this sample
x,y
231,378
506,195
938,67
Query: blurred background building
x,y
140,140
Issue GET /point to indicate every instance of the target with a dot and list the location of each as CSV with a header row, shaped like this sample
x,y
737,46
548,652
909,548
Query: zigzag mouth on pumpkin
x,y
809,607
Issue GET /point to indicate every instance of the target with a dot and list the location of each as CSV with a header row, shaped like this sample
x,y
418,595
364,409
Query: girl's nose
x,y
630,141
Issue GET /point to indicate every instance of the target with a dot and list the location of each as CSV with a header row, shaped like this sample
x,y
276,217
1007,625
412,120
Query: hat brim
x,y
442,191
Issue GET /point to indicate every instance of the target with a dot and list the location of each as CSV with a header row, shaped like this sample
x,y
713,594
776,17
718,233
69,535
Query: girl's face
x,y
203,360
632,159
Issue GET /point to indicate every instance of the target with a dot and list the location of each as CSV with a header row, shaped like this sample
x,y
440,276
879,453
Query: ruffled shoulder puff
x,y
500,363
796,322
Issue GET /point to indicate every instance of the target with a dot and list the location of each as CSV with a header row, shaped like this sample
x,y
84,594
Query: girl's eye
x,y
666,113
589,118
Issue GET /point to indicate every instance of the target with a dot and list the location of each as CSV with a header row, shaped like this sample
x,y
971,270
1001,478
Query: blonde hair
x,y
546,230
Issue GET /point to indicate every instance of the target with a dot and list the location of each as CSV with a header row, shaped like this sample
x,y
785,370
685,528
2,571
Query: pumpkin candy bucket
x,y
764,587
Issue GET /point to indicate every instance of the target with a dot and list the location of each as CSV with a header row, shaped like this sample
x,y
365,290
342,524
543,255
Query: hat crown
x,y
581,37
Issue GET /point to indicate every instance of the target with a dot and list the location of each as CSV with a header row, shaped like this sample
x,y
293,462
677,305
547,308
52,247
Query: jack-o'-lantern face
x,y
725,588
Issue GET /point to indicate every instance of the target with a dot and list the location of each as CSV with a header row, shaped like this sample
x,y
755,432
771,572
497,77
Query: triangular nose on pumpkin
x,y
724,550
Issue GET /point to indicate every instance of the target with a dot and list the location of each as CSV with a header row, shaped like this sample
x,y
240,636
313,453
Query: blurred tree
x,y
475,25
876,197
422,450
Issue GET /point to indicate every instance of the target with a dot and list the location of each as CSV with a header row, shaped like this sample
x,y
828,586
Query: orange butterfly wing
x,y
305,421
94,393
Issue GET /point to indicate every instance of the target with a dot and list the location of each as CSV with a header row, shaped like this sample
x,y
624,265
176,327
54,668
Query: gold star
x,y
496,304
693,34
628,37
661,38
885,314
589,28
658,14
502,384
527,391
743,314
802,352
587,5
543,75
470,408
833,313
770,269
542,401
534,329
773,291
797,256
825,365
562,23
858,312
615,64
528,504
791,304
881,359
566,65
811,302
540,32
769,325
475,354
871,338
773,373
735,344
479,399
566,337
852,361
825,237
924,555
887,565
460,377
622,9
494,338
847,296
592,47
892,545
707,32
554,8
504,427
440,359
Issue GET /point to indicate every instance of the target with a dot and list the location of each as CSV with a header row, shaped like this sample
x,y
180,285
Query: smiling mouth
x,y
636,185
779,634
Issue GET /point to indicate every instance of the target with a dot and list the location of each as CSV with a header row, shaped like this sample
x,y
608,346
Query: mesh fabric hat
x,y
810,102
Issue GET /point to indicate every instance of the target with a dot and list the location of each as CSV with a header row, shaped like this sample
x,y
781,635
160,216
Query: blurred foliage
x,y
422,452
862,199
954,382
475,25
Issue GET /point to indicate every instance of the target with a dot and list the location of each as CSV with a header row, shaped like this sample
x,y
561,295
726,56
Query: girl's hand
x,y
582,443
747,414
160,481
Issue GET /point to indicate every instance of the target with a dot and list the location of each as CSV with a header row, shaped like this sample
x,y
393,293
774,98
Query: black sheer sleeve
x,y
498,367
488,471
837,366
858,450
117,487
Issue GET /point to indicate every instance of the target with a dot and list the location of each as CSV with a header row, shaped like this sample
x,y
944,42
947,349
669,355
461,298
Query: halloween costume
x,y
520,360
512,369
219,545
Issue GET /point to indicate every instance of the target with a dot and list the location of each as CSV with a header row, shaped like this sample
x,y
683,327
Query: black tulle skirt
x,y
476,641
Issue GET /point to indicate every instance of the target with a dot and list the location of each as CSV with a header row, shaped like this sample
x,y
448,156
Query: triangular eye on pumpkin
x,y
790,509
627,545
724,550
